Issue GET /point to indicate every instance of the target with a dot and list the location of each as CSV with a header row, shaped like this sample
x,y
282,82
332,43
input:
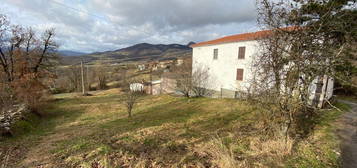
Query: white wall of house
x,y
223,70
136,87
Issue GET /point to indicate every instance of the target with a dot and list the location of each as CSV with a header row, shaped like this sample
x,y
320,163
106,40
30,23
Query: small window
x,y
241,53
215,54
240,74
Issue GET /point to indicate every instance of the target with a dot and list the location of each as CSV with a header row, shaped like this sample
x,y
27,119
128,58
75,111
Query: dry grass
x,y
165,131
220,155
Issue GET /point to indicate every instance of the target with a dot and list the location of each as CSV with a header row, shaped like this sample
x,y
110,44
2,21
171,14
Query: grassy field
x,y
165,131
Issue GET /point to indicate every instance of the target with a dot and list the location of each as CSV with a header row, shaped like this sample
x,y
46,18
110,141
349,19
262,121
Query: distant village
x,y
164,85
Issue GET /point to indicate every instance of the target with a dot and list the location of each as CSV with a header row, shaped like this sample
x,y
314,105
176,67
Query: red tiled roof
x,y
238,37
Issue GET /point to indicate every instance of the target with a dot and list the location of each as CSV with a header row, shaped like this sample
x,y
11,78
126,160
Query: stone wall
x,y
10,116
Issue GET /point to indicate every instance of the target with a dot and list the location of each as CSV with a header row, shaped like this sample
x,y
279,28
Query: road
x,y
348,135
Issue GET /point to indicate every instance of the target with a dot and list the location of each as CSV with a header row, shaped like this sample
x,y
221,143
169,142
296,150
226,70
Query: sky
x,y
103,25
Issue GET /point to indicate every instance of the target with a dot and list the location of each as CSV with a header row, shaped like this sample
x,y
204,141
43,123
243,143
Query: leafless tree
x,y
122,75
26,59
303,45
130,96
74,77
101,75
192,82
201,82
183,76
22,52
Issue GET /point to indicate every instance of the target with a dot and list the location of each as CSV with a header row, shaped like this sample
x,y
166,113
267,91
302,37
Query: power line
x,y
77,10
91,14
82,11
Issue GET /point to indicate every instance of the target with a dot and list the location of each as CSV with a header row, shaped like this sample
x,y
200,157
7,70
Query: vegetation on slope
x,y
164,131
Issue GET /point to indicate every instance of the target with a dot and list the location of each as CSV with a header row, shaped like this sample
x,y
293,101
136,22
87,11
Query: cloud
x,y
99,25
177,13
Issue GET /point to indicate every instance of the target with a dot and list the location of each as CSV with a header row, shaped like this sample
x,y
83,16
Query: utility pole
x,y
150,80
82,74
88,83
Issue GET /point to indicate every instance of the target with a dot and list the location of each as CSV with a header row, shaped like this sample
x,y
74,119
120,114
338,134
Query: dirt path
x,y
348,135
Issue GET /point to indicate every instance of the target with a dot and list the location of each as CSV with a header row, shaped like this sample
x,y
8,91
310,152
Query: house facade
x,y
229,63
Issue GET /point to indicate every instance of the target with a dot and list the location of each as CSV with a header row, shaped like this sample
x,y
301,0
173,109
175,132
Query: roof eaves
x,y
236,41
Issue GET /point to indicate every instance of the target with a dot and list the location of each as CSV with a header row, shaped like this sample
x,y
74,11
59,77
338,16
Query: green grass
x,y
164,129
26,126
323,148
348,98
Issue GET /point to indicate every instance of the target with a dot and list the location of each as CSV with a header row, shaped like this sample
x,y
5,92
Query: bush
x,y
30,91
6,97
57,90
27,124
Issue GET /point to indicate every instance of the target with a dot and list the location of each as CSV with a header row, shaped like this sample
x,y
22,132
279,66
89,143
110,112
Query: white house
x,y
228,61
141,67
179,61
137,87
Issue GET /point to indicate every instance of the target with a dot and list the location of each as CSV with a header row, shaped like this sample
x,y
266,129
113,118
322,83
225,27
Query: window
x,y
240,74
215,54
241,53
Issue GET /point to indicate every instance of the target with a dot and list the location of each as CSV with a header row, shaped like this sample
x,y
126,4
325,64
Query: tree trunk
x,y
129,113
82,74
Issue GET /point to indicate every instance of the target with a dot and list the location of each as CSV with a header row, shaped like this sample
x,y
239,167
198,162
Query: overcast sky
x,y
101,25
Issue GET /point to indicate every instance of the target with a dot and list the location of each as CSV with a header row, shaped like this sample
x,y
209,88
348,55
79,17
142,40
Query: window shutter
x,y
215,54
241,53
240,74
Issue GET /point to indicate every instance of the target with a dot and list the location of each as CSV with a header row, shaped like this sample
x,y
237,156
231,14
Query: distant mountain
x,y
138,52
70,53
152,48
191,43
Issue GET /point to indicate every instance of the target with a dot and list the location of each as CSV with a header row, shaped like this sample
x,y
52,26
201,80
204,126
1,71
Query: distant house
x,y
137,87
228,61
168,83
153,66
141,67
163,64
153,87
179,61
165,85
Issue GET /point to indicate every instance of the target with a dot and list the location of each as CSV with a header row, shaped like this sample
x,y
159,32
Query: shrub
x,y
30,91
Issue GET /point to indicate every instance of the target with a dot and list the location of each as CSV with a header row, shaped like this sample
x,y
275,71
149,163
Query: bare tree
x,y
308,40
192,82
73,75
123,75
201,82
131,95
101,75
183,76
21,51
26,60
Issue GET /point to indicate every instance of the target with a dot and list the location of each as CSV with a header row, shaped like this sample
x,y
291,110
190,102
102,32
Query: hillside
x,y
138,52
165,131
70,53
